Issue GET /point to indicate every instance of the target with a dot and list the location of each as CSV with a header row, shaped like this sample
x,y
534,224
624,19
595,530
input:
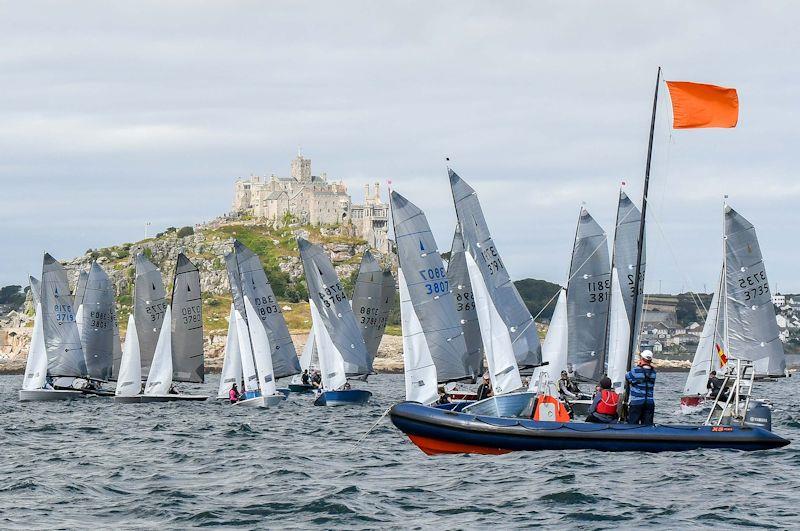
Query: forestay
x,y
61,338
465,303
504,296
257,288
149,307
159,379
96,323
232,364
588,295
420,371
621,311
752,329
187,323
706,357
129,381
372,298
429,290
333,309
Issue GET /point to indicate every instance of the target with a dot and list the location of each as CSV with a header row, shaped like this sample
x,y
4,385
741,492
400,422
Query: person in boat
x,y
346,386
316,380
305,378
604,405
233,394
48,382
485,388
444,398
172,390
567,387
642,381
714,386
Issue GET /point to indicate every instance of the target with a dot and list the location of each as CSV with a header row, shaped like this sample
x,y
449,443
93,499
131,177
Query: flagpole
x,y
640,243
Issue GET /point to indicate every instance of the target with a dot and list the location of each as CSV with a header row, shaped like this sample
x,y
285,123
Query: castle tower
x,y
301,169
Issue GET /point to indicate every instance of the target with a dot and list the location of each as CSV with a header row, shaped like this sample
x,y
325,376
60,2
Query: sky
x,y
115,114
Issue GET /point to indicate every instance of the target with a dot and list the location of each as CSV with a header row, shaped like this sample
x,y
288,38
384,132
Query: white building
x,y
779,300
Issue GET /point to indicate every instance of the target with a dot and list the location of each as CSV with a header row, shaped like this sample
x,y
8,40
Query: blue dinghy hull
x,y
438,431
347,397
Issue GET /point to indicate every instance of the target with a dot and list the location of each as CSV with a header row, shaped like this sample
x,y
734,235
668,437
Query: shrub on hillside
x,y
185,231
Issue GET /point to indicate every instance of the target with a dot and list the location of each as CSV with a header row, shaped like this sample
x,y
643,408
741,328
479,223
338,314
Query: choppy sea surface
x,y
93,463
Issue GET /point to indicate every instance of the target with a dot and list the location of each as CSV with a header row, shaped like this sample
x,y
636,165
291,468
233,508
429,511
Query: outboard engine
x,y
759,416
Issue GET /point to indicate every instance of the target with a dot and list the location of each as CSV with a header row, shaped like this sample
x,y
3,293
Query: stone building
x,y
315,200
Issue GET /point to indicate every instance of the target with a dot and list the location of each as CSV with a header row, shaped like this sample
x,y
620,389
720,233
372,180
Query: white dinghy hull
x,y
47,395
262,401
143,399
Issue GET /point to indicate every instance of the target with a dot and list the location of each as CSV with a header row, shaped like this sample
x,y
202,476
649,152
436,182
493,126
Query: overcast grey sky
x,y
114,114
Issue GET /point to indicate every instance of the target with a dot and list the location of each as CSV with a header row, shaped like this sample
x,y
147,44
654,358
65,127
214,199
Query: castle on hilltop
x,y
315,200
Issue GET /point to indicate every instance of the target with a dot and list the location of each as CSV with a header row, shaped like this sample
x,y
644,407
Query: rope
x,y
363,437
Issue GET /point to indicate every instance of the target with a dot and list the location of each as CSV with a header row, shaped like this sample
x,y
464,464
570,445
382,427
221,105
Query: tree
x,y
536,293
12,295
185,231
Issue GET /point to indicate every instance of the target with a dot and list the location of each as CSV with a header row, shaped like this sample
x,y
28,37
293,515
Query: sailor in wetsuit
x,y
567,387
714,386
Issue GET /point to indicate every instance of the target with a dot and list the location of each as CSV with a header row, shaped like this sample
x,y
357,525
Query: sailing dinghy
x,y
179,339
56,342
341,347
309,361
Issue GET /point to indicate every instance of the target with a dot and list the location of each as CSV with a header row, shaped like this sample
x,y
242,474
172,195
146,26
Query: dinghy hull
x,y
437,431
48,395
692,404
262,401
349,397
300,388
146,399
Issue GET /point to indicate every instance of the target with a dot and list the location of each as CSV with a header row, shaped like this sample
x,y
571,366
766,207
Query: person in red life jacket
x,y
233,394
604,406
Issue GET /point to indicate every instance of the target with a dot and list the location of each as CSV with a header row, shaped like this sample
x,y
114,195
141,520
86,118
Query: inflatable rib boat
x,y
439,431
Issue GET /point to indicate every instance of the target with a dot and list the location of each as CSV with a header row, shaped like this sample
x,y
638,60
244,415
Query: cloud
x,y
117,114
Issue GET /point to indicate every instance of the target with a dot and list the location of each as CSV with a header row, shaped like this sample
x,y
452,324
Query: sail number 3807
x,y
435,280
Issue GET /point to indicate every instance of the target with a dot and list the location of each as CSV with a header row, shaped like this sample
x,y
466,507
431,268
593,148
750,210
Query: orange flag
x,y
699,105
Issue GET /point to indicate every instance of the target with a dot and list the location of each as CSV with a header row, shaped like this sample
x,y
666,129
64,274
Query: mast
x,y
724,277
640,243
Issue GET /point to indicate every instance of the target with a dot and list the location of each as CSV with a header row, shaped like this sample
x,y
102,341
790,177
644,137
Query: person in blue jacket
x,y
642,380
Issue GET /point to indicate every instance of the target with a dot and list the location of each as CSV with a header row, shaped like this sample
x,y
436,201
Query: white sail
x,y
232,364
36,365
331,363
706,357
420,371
306,358
129,381
554,348
502,363
262,351
159,380
619,334
246,353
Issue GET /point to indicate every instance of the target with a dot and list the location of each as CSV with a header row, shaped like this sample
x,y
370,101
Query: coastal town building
x,y
313,199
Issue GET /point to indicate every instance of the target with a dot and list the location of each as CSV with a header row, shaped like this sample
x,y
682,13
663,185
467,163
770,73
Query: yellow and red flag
x,y
700,105
723,359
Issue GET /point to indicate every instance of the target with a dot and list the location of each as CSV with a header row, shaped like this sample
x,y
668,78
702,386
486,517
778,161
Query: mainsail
x,y
623,276
588,294
332,310
187,323
232,364
257,288
752,332
372,298
96,323
36,364
429,291
61,338
706,357
149,307
465,302
504,296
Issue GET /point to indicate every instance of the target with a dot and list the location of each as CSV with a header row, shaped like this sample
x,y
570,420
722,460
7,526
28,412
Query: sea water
x,y
93,463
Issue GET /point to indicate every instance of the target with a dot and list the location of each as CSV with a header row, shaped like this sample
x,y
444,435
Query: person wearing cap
x,y
604,405
567,387
642,381
485,389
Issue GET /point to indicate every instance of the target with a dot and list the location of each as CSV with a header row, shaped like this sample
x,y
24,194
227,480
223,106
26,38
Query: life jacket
x,y
233,395
550,408
608,402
